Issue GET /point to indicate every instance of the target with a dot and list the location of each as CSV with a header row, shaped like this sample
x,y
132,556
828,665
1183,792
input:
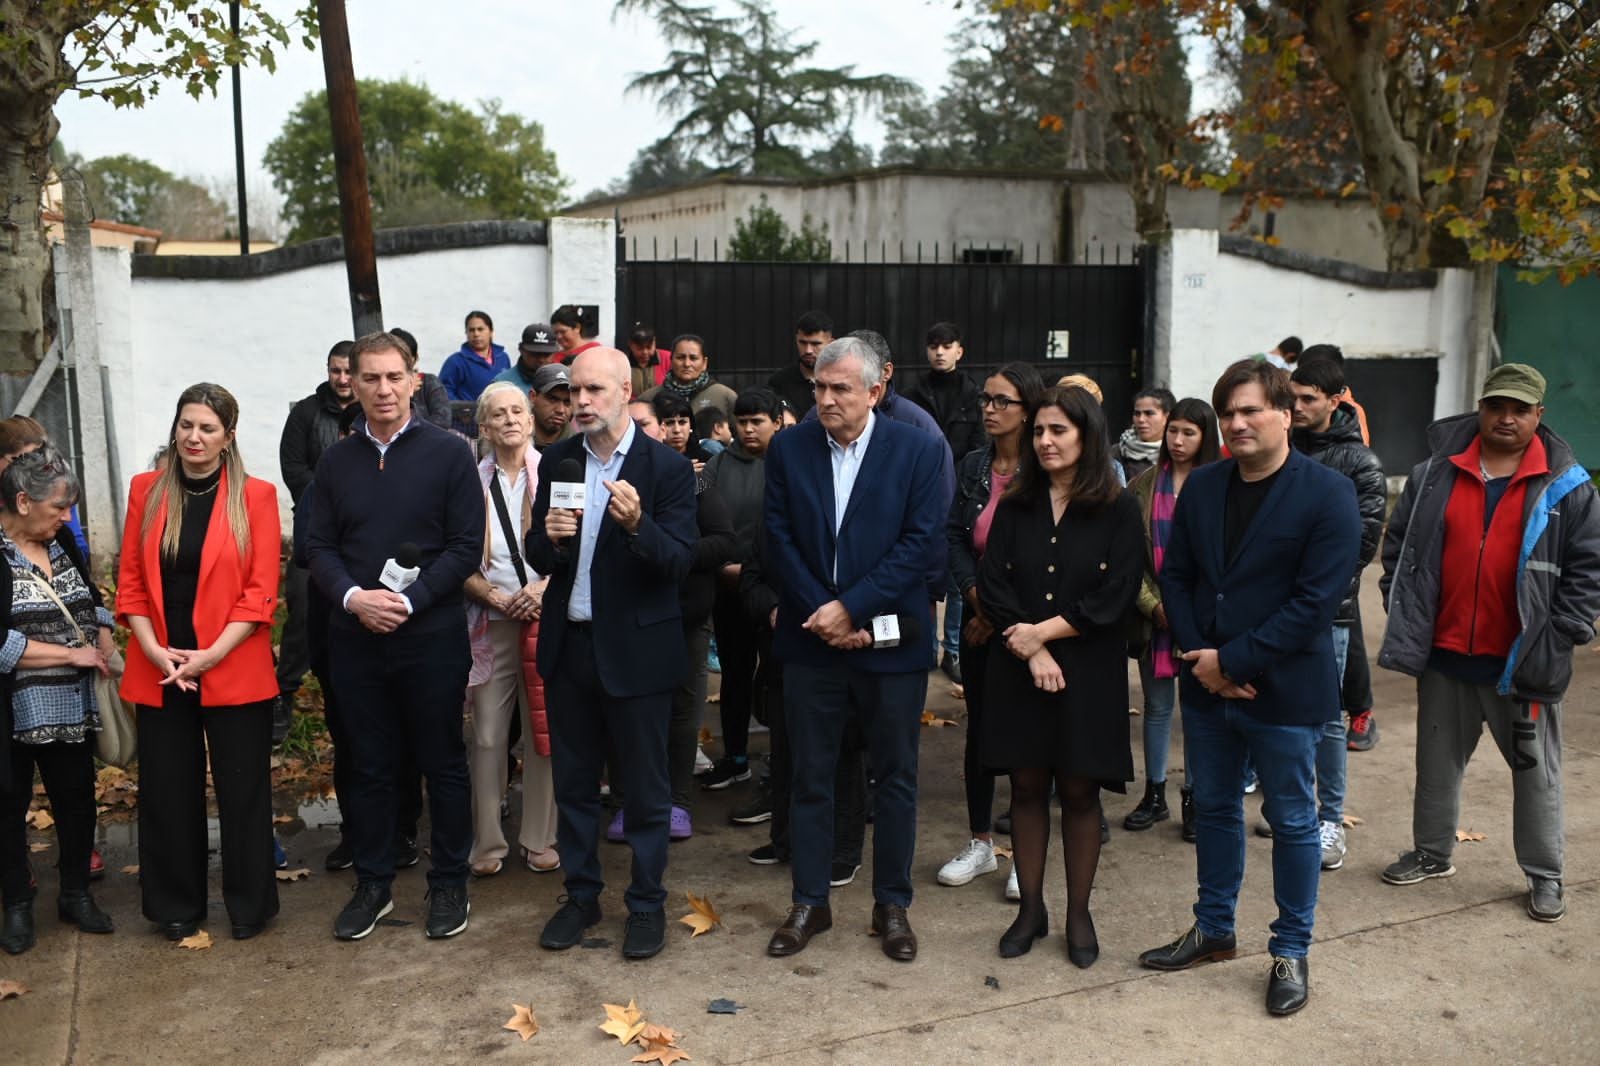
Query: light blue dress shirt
x,y
596,498
846,466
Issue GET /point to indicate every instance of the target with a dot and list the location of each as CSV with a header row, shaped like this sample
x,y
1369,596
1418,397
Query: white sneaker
x,y
1333,846
1013,890
702,761
976,858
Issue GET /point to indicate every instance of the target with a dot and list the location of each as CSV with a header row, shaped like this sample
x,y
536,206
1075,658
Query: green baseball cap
x,y
1516,381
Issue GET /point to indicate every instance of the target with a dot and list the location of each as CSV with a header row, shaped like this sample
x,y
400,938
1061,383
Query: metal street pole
x,y
350,165
238,138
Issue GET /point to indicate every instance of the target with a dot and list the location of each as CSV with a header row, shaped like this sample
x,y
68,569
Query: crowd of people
x,y
545,554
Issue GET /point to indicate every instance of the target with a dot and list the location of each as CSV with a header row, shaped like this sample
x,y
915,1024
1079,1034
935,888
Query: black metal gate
x,y
1065,318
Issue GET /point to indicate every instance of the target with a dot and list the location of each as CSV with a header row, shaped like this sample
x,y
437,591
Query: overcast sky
x,y
563,63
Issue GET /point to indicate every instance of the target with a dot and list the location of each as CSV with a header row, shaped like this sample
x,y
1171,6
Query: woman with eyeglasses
x,y
982,477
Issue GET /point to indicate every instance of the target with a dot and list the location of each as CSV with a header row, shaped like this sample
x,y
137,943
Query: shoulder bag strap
x,y
506,527
48,591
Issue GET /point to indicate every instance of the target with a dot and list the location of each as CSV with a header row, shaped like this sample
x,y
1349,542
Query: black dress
x,y
1086,569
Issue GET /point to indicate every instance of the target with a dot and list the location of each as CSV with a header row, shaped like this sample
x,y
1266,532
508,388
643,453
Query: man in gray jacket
x,y
1491,575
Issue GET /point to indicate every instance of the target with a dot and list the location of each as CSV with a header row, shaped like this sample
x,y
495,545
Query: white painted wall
x,y
583,270
1213,308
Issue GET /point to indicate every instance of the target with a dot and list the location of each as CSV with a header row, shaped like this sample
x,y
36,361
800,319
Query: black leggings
x,y
68,774
979,779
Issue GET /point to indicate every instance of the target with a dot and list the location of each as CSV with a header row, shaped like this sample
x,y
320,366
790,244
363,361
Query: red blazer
x,y
231,590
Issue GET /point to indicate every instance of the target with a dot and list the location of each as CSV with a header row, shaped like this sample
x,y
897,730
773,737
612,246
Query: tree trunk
x,y
32,78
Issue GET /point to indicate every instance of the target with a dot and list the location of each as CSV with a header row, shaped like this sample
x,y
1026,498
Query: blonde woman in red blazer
x,y
198,586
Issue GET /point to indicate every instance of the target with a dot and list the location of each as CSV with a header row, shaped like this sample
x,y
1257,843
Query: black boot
x,y
1151,809
80,909
16,935
1186,795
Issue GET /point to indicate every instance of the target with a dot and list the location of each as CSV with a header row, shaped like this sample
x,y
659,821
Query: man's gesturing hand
x,y
624,508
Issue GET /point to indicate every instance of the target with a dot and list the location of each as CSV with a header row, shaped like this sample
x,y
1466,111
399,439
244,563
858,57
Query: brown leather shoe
x,y
804,922
890,922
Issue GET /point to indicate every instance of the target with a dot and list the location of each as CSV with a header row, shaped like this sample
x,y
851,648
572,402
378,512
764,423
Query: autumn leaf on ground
x,y
1135,711
665,1054
703,918
130,869
522,1022
714,697
931,719
298,874
1353,820
1468,835
13,989
1002,852
723,1005
704,736
201,941
624,1023
958,692
38,846
40,819
282,819
657,1034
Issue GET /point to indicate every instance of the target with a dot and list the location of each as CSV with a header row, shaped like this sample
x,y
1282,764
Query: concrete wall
x,y
265,338
1214,306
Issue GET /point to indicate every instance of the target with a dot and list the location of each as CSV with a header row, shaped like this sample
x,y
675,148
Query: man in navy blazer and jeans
x,y
611,647
1262,548
855,506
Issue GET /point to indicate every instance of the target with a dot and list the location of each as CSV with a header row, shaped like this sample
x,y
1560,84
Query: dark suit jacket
x,y
633,580
1269,612
893,525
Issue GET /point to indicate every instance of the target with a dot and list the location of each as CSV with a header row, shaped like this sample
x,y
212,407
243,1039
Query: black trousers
x,y
173,741
294,657
400,695
68,774
737,648
979,779
588,726
1357,670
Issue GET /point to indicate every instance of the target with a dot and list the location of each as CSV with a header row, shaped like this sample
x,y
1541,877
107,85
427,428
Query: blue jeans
x,y
1217,739
1160,697
1331,748
954,608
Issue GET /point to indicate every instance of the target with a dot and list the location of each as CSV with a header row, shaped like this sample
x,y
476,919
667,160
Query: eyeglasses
x,y
999,403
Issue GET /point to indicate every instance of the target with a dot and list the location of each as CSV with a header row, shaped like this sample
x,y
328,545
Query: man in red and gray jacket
x,y
1491,574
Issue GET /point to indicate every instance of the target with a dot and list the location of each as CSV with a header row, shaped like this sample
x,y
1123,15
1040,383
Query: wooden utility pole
x,y
350,165
238,138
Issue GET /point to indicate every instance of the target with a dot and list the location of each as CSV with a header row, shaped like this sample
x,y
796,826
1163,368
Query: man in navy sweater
x,y
400,658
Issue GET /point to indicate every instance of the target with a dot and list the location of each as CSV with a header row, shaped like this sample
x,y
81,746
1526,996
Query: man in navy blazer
x,y
611,647
855,506
1261,552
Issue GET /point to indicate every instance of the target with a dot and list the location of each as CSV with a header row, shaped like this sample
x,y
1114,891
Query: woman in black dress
x,y
1058,581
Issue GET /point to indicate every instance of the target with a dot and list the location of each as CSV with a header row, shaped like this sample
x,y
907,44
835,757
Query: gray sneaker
x,y
1333,845
1414,866
1544,899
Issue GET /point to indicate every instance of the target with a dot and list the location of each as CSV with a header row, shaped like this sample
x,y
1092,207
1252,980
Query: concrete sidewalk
x,y
1450,970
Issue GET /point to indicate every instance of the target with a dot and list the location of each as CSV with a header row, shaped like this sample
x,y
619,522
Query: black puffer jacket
x,y
312,428
952,399
1339,448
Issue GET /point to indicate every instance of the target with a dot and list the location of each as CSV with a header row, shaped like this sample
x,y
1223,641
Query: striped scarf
x,y
1162,503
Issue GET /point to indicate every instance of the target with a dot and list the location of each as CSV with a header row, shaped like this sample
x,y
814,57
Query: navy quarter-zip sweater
x,y
425,490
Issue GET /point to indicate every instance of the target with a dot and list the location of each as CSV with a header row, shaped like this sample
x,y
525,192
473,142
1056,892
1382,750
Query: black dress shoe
x,y
1018,940
80,909
246,930
644,935
565,927
1289,986
16,934
176,931
1083,956
889,920
1190,949
804,922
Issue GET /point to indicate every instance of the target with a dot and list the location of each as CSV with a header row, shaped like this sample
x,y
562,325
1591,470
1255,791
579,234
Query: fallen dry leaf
x,y
657,1034
298,874
201,941
703,917
522,1022
1352,820
1468,835
38,846
40,819
282,819
624,1023
704,736
1001,851
665,1054
723,1005
931,719
13,989
714,697
958,692
1135,711
130,869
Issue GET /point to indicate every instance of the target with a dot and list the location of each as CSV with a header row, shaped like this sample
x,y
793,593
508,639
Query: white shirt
x,y
580,608
847,460
501,572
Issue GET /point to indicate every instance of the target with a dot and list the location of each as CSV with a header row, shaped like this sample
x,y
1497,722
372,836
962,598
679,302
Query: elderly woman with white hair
x,y
506,597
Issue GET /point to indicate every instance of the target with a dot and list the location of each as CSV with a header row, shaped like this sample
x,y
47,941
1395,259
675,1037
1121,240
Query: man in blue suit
x,y
1262,548
611,647
855,506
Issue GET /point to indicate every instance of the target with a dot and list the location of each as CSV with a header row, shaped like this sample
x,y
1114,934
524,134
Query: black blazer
x,y
633,580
